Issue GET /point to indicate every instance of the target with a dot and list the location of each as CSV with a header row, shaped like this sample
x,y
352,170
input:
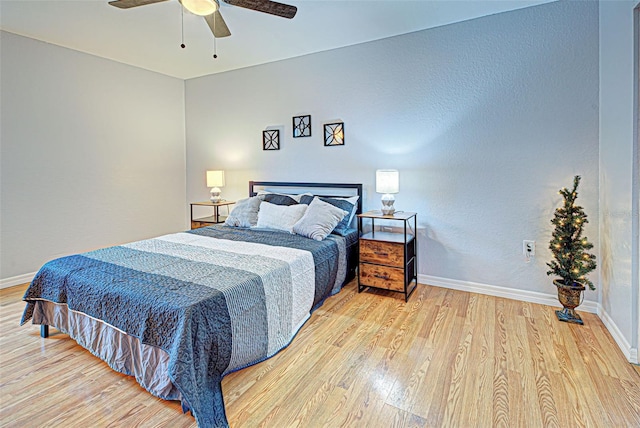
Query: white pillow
x,y
319,220
280,217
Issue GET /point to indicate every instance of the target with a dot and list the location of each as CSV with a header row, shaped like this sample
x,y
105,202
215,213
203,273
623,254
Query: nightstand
x,y
388,257
213,219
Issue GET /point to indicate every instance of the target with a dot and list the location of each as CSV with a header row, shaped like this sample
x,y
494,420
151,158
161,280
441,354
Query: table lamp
x,y
387,182
215,180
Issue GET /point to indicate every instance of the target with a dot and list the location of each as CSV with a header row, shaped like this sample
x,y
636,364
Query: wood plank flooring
x,y
445,358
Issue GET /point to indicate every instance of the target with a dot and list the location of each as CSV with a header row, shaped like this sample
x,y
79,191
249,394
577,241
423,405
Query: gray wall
x,y
92,154
619,284
484,119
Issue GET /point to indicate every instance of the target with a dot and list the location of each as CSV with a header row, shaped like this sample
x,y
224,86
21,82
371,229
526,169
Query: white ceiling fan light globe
x,y
200,7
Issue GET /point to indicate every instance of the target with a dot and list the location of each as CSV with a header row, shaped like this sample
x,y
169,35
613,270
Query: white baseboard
x,y
534,297
16,280
507,293
630,353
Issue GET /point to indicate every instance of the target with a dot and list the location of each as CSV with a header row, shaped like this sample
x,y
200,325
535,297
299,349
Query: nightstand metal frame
x,y
409,241
216,218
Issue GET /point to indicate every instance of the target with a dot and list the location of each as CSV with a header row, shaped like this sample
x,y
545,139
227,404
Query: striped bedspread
x,y
216,299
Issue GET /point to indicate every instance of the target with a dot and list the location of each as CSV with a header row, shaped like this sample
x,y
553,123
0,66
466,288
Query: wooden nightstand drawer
x,y
380,252
382,276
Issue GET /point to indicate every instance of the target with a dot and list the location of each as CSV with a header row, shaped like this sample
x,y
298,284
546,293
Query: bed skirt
x,y
122,352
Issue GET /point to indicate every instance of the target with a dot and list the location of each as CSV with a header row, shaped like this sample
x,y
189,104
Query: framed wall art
x,y
334,134
302,126
271,139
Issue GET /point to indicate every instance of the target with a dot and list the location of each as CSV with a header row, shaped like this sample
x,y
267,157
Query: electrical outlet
x,y
529,248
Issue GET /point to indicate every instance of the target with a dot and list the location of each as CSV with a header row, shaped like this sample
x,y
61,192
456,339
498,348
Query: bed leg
x,y
44,331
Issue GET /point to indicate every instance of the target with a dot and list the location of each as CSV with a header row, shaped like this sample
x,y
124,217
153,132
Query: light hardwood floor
x,y
445,358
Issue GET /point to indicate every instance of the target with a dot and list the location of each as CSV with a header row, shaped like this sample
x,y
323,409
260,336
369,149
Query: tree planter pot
x,y
569,296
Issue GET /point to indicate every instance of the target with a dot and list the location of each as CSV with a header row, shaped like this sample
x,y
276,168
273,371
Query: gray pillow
x,y
245,213
319,220
347,204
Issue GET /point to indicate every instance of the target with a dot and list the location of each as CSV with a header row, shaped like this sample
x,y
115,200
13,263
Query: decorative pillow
x,y
281,198
319,220
244,213
306,199
354,201
278,199
347,204
280,217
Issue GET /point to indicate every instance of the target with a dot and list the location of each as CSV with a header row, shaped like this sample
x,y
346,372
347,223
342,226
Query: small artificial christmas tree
x,y
572,262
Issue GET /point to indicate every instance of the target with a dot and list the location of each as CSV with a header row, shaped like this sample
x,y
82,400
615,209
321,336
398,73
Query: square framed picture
x,y
334,134
302,126
271,139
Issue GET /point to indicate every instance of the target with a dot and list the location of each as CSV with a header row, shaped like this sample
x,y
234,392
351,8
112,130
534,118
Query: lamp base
x,y
215,195
387,204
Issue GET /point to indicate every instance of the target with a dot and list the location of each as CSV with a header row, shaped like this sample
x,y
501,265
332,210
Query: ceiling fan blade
x,y
126,4
266,6
218,26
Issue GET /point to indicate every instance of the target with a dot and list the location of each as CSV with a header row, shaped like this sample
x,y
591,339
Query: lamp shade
x,y
215,178
387,181
200,7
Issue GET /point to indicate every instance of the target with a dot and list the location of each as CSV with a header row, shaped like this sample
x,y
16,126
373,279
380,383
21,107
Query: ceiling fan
x,y
210,10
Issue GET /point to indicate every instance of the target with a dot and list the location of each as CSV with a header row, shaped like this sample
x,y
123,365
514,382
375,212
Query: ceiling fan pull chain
x,y
215,49
182,45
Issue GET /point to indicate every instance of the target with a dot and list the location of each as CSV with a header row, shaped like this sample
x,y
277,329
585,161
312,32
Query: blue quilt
x,y
216,299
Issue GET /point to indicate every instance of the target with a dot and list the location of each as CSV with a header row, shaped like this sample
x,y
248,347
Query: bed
x,y
180,311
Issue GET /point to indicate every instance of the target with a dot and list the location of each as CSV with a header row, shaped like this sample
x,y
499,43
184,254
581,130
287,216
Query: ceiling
x,y
149,36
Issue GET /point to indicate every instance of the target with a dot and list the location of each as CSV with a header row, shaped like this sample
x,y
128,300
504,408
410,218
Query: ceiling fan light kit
x,y
200,7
